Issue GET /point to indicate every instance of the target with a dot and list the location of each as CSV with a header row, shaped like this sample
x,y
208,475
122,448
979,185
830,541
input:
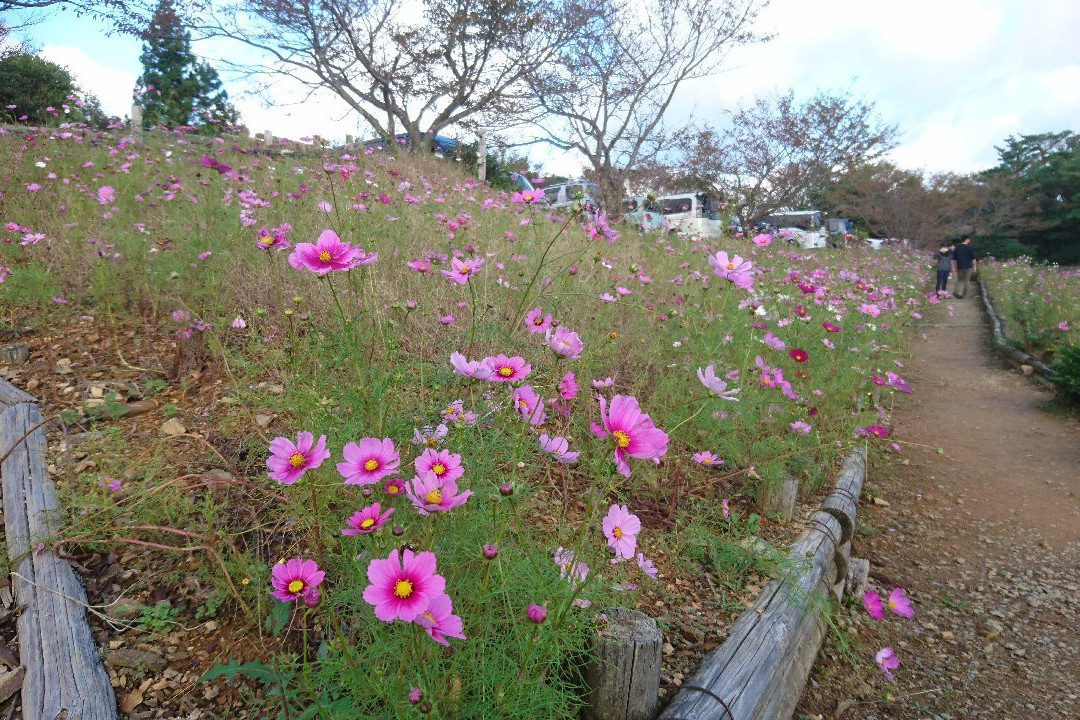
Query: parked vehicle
x,y
441,145
644,212
693,213
802,219
565,195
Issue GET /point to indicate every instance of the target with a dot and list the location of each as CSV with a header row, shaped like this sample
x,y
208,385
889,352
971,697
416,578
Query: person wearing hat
x,y
966,263
944,267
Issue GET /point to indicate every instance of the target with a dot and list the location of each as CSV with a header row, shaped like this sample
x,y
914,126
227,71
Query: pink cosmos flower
x,y
568,387
537,321
430,494
439,620
870,309
476,369
799,355
328,254
829,327
887,661
621,529
296,579
646,566
900,604
402,588
288,462
565,342
443,464
762,239
1063,325
430,436
774,342
106,195
462,270
367,520
706,457
872,602
725,505
394,487
605,383
369,461
734,269
632,432
275,238
558,448
528,197
569,567
530,405
800,427
507,369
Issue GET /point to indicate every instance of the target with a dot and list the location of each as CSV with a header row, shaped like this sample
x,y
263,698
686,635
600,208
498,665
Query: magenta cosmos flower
x,y
288,461
872,602
368,461
887,661
558,448
707,457
403,587
430,494
715,385
900,604
565,342
568,387
443,464
530,405
296,579
328,254
631,430
507,369
462,270
537,321
439,620
367,520
734,269
621,528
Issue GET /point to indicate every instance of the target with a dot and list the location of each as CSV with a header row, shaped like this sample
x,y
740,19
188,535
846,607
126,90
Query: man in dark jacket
x,y
966,263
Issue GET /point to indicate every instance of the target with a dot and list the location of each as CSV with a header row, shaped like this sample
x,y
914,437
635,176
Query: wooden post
x,y
623,677
348,142
64,675
136,121
481,158
778,496
857,574
268,138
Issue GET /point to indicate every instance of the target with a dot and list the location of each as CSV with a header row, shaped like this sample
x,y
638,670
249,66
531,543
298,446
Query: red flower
x,y
799,355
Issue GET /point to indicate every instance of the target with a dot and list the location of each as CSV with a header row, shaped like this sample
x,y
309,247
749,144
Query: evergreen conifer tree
x,y
175,88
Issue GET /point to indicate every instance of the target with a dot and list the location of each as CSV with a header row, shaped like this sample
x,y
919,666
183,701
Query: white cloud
x,y
111,85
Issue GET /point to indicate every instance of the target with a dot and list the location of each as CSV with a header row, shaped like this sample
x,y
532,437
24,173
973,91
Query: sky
x,y
956,77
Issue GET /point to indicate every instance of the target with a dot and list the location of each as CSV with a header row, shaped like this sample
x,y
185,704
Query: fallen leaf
x,y
132,700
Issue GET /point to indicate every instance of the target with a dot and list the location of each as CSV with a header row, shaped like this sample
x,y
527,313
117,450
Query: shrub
x,y
1066,375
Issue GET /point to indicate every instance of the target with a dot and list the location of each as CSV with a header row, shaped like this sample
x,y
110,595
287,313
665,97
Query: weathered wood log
x,y
857,575
844,500
623,675
778,496
64,675
11,395
14,354
760,671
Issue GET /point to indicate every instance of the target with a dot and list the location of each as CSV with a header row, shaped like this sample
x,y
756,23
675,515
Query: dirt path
x,y
985,536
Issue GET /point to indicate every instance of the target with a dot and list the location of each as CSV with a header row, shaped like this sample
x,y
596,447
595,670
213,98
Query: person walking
x,y
964,256
944,268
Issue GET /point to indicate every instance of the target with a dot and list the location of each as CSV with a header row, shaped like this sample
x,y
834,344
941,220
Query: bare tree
x,y
777,151
125,16
403,71
608,92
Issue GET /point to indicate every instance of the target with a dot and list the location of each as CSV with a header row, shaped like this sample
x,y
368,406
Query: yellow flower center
x,y
324,256
438,468
523,405
403,589
392,489
266,240
432,442
296,459
731,266
371,465
706,461
621,438
506,371
434,497
368,522
618,533
450,411
538,321
296,586
466,270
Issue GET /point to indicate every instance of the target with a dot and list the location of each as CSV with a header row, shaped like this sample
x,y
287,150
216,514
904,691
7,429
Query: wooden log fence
x,y
64,677
760,671
997,331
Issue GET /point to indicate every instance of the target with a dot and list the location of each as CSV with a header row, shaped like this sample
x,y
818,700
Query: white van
x,y
693,214
565,195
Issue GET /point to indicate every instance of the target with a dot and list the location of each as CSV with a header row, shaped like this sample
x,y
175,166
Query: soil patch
x,y
984,535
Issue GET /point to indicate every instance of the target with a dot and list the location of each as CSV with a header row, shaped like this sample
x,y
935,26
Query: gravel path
x,y
985,537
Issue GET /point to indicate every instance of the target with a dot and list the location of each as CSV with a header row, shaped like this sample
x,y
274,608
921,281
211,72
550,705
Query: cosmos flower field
x,y
490,422
1040,304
